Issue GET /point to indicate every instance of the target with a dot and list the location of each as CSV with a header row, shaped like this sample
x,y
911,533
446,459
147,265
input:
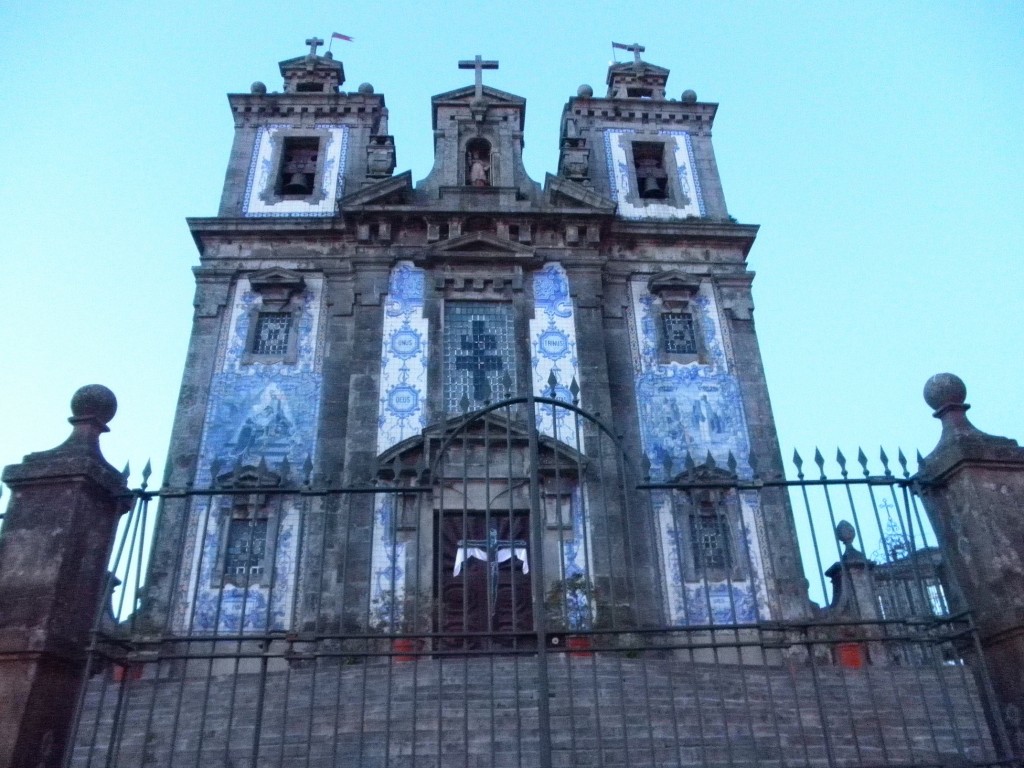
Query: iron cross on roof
x,y
314,43
636,49
479,65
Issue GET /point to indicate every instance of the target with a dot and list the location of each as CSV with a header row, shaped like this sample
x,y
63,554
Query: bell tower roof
x,y
312,73
636,79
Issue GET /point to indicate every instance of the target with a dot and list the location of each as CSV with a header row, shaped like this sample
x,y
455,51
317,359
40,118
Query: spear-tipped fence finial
x,y
146,472
820,461
841,461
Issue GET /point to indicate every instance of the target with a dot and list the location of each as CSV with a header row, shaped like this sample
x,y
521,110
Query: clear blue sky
x,y
879,145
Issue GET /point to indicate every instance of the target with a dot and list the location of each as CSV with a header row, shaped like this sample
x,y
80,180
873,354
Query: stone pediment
x,y
468,93
479,246
416,455
564,192
394,191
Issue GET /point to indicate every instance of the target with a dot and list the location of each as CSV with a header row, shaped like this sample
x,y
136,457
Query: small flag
x,y
339,36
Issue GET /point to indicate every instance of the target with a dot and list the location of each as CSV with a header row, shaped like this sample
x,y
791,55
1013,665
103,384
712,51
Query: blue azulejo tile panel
x,y
387,576
256,412
553,350
264,410
693,600
260,199
401,414
403,359
684,201
207,604
694,407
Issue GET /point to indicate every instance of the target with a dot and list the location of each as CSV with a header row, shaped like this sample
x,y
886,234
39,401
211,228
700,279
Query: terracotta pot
x,y
850,655
579,645
404,647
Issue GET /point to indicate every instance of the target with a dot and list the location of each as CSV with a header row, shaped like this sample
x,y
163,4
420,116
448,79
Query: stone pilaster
x,y
54,549
972,486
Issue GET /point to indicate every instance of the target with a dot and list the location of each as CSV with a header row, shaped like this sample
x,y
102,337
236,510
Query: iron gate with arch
x,y
509,589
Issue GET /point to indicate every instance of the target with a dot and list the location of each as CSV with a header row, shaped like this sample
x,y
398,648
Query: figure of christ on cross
x,y
479,65
494,552
481,359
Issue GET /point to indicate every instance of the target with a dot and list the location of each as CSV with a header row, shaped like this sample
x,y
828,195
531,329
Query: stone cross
x,y
636,49
479,65
314,43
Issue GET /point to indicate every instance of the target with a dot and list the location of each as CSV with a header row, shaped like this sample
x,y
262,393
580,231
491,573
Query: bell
x,y
298,184
649,187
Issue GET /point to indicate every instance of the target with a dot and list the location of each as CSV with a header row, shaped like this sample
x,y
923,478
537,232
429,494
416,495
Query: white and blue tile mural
x,y
256,412
403,359
694,408
404,387
553,350
691,202
263,176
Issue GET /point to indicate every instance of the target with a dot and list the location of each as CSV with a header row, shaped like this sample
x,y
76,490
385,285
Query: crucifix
x,y
314,43
479,65
494,551
480,359
636,49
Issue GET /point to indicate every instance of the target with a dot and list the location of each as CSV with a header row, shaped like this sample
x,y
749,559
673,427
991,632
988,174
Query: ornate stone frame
x,y
685,505
674,193
277,140
673,293
280,291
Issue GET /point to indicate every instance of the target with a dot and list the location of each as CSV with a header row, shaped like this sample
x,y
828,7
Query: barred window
x,y
272,331
678,332
246,548
710,536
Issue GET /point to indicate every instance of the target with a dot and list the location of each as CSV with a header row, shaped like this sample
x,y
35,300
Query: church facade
x,y
347,319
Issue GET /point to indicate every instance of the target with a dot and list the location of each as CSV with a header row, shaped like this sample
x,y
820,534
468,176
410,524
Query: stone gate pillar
x,y
972,486
54,548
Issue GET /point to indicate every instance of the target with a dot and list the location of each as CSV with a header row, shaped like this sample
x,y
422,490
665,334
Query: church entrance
x,y
484,579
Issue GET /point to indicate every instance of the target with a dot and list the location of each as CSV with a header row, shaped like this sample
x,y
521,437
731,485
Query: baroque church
x,y
348,319
481,470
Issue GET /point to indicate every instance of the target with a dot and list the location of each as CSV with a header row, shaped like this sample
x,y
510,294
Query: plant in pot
x,y
406,617
571,606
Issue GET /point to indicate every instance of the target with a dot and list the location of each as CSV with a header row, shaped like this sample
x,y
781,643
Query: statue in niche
x,y
478,163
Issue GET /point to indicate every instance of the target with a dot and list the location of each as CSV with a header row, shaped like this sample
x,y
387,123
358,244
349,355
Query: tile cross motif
x,y
481,358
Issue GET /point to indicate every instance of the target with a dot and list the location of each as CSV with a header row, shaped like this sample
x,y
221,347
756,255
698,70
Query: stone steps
x,y
604,710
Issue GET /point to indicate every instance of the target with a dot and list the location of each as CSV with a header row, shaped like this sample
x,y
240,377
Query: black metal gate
x,y
507,589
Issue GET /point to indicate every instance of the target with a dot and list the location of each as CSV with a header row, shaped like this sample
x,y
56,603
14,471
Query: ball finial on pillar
x,y
95,403
943,390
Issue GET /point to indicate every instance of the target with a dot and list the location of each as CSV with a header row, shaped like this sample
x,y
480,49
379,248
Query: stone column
x,y
54,549
972,486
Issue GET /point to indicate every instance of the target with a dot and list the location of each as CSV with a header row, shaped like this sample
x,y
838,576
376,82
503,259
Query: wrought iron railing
x,y
569,609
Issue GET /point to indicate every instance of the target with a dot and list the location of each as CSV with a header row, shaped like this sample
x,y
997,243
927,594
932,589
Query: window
x,y
272,335
709,535
479,354
649,166
678,333
246,549
299,158
640,93
309,87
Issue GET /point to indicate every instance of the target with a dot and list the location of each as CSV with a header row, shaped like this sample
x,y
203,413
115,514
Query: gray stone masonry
x,y
54,548
605,710
972,486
